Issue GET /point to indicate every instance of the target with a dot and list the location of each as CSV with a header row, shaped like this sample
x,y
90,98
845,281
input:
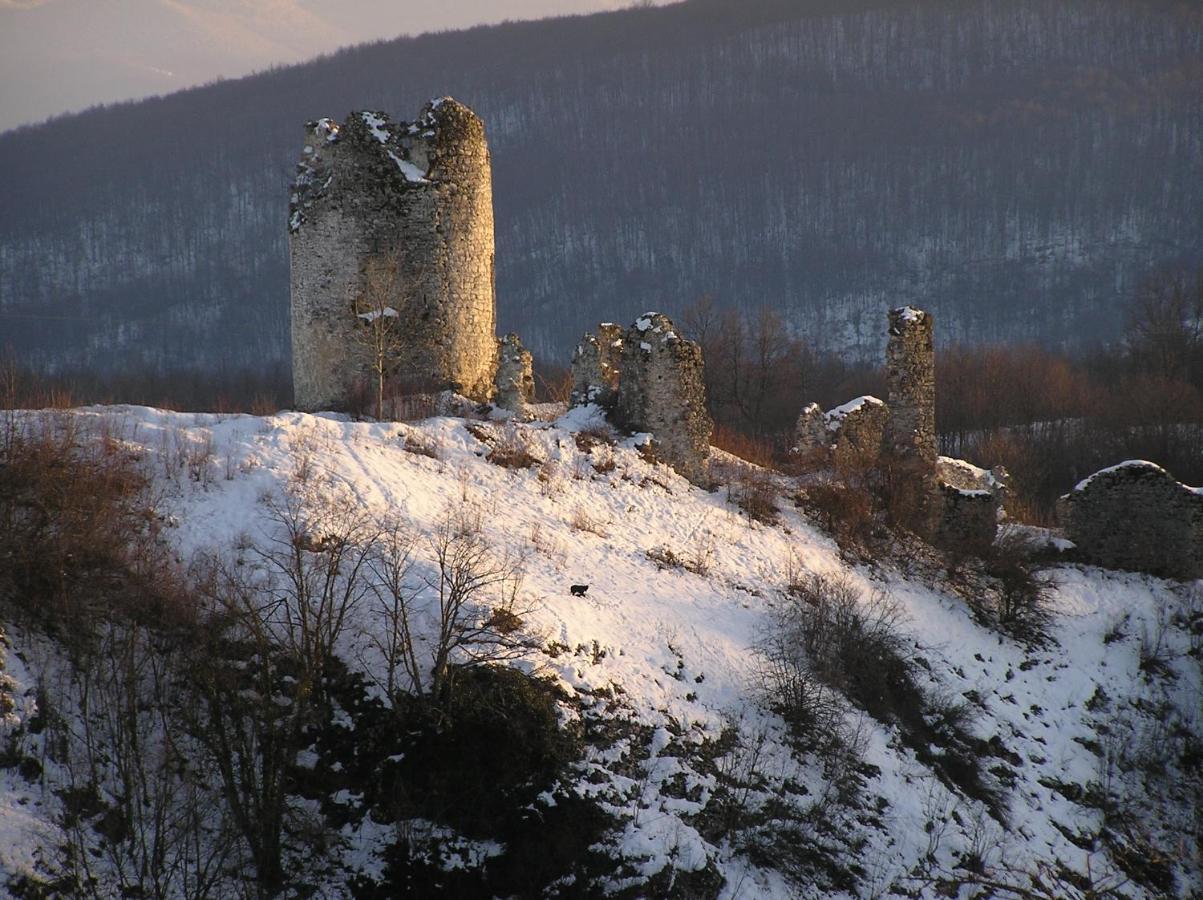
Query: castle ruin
x,y
1135,515
515,376
911,377
662,390
391,224
595,367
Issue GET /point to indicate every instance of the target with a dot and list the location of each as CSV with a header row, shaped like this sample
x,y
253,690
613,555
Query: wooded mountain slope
x,y
1015,167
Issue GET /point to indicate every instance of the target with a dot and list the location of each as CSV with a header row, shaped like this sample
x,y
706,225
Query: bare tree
x,y
380,335
478,616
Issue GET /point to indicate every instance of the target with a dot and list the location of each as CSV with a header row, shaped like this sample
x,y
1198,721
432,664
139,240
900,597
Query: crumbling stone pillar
x,y
911,376
810,431
515,375
662,390
595,367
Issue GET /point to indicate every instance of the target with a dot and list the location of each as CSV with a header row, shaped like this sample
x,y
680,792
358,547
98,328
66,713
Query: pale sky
x,y
61,56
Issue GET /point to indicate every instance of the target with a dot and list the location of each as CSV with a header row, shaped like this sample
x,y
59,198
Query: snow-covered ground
x,y
676,644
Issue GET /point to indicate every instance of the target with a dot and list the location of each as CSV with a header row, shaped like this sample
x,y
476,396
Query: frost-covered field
x,y
665,653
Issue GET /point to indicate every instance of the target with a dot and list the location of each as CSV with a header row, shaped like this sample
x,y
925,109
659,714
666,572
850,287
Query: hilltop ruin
x,y
393,219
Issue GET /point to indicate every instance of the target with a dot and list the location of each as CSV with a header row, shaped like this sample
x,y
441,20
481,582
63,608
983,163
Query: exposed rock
x,y
911,376
661,390
595,367
415,201
515,375
1136,516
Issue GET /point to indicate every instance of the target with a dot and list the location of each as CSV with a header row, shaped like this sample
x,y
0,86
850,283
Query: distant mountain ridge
x,y
1016,167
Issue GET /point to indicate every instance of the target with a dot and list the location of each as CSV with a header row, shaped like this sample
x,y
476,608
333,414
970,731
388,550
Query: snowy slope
x,y
676,646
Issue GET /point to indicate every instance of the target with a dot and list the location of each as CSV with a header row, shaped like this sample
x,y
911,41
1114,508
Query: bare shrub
x,y
844,510
827,639
754,490
1023,590
666,558
513,449
583,520
476,591
597,436
79,539
420,444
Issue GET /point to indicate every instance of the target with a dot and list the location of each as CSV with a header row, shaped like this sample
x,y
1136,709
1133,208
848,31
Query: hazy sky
x,y
64,55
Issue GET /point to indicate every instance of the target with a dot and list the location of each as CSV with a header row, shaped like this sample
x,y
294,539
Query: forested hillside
x,y
1015,167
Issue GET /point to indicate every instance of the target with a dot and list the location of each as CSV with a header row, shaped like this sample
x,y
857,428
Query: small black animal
x,y
578,590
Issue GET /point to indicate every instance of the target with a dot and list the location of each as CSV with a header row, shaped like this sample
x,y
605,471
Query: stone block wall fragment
x,y
970,501
1136,516
810,431
515,375
911,376
411,198
857,429
661,390
595,367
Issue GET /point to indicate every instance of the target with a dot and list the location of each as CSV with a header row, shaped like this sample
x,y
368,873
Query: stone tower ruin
x,y
911,378
662,390
393,219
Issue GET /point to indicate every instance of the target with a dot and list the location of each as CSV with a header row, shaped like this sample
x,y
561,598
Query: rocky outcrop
x,y
662,390
1136,516
515,375
400,213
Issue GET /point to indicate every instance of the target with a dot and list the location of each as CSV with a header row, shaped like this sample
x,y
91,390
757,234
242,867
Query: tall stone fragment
x,y
810,431
595,366
400,213
911,377
515,375
662,390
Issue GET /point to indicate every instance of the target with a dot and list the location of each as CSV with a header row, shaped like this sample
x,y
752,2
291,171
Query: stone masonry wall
x,y
661,389
1136,516
419,196
515,375
911,376
595,367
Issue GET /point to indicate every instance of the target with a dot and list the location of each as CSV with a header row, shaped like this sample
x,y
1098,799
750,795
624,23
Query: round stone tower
x,y
391,255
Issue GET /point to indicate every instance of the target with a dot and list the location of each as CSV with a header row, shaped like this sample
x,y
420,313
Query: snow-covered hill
x,y
1087,746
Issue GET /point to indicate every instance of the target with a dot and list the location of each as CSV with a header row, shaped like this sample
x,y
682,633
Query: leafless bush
x,y
753,490
315,560
477,597
142,816
697,562
1022,589
513,449
583,520
79,539
421,445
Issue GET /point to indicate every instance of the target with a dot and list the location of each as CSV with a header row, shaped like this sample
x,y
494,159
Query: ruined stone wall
x,y
662,390
416,195
850,435
911,376
595,367
515,375
1136,516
